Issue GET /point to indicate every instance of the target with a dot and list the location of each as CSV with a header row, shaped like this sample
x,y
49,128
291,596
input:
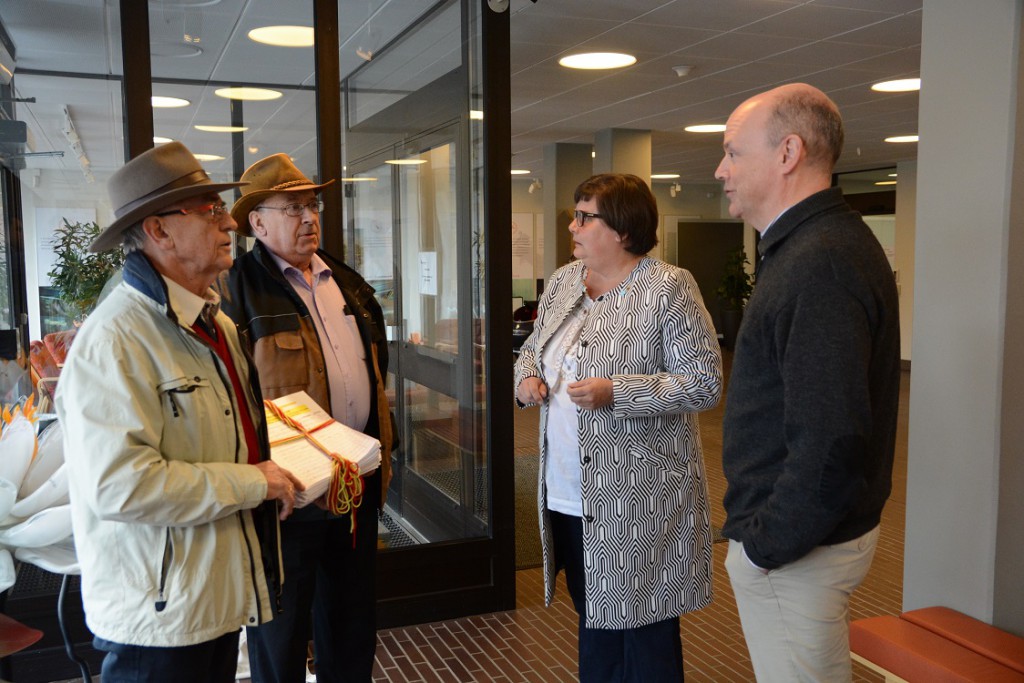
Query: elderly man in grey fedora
x,y
165,440
313,324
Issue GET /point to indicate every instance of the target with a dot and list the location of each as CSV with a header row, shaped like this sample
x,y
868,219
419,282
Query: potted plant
x,y
733,290
78,273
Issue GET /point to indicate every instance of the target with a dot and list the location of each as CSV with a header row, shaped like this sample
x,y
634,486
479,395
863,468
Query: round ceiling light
x,y
597,60
158,140
520,171
901,85
664,176
902,138
164,102
283,36
247,93
706,128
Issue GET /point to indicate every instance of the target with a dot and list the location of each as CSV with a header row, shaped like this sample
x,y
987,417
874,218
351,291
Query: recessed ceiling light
x,y
901,85
283,36
163,101
664,176
405,162
902,138
208,157
520,171
365,179
706,128
157,140
892,175
223,129
476,115
247,93
597,60
886,182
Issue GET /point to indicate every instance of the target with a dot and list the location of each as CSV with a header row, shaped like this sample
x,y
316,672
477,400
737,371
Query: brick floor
x,y
534,643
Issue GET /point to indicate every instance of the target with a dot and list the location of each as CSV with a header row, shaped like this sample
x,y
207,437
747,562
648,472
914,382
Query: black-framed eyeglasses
x,y
296,210
582,216
211,212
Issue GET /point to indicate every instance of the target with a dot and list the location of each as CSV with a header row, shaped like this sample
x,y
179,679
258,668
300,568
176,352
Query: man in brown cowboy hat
x,y
165,440
313,324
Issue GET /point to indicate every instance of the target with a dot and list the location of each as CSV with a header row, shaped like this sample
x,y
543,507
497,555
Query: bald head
x,y
780,147
803,110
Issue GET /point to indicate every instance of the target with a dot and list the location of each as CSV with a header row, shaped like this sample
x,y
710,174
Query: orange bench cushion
x,y
917,654
994,643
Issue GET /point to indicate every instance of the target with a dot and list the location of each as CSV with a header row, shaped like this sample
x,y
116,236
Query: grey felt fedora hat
x,y
151,181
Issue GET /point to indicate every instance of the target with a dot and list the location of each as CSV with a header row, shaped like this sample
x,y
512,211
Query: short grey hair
x,y
133,239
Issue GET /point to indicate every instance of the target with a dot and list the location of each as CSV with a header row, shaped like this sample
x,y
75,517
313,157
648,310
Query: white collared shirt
x,y
186,305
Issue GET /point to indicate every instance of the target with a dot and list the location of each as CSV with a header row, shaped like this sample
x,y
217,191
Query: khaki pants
x,y
796,618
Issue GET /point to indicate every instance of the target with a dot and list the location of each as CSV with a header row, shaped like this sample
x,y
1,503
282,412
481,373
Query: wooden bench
x,y
937,645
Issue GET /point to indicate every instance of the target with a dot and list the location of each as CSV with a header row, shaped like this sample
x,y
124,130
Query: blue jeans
x,y
211,662
648,654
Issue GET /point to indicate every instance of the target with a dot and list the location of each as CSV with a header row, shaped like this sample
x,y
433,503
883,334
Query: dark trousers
x,y
214,661
325,574
648,654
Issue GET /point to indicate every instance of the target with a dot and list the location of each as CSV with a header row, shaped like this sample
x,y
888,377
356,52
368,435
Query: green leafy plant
x,y
737,283
77,273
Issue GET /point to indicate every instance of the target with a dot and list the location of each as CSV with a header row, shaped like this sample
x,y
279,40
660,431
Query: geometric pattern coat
x,y
646,525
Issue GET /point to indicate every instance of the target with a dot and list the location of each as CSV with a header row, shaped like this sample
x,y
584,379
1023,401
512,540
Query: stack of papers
x,y
296,452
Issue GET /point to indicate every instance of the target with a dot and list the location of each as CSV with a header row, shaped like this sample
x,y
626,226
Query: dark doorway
x,y
703,249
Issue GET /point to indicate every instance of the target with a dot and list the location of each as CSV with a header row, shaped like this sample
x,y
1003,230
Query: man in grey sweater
x,y
810,418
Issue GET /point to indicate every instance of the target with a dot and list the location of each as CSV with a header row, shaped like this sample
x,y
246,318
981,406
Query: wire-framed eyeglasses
x,y
582,216
296,210
213,211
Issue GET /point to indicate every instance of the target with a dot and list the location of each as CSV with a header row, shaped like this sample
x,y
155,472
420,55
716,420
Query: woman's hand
x,y
532,390
591,393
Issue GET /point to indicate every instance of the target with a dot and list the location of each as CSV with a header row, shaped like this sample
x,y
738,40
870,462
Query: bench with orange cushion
x,y
987,640
903,650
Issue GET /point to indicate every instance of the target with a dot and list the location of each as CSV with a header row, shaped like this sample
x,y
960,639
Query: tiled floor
x,y
534,643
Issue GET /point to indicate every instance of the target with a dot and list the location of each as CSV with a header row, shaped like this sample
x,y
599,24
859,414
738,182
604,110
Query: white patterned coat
x,y
646,526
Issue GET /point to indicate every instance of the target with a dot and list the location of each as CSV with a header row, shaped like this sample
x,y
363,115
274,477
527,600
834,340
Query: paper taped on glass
x,y
305,440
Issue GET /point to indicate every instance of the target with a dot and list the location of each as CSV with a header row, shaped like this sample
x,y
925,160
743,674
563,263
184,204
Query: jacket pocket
x,y
177,395
281,362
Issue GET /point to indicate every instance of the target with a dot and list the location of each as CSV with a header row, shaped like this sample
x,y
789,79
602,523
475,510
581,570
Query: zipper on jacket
x,y
165,569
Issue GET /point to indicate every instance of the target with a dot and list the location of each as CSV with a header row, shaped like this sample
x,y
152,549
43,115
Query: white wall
x,y
960,533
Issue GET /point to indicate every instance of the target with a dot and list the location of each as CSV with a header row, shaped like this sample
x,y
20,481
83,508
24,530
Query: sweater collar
x,y
796,215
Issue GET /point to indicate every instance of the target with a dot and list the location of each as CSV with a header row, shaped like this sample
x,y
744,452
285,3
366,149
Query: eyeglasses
x,y
211,212
296,210
582,216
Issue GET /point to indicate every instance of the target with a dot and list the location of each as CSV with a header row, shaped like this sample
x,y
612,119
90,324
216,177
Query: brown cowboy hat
x,y
151,181
269,176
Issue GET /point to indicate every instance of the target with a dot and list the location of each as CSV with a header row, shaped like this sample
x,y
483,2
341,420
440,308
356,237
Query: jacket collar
x,y
347,279
140,274
796,215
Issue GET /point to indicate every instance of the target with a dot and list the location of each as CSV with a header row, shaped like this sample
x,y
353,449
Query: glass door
x,y
414,205
405,218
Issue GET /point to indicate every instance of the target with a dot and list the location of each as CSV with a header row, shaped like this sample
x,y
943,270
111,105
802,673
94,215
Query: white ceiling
x,y
735,48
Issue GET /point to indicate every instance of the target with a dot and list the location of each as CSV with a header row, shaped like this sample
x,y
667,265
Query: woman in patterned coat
x,y
622,357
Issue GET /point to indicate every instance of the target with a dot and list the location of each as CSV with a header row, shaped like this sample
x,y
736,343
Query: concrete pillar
x,y
965,507
621,150
566,165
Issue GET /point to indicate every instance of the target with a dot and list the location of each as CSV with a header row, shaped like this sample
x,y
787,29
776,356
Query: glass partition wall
x,y
424,185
